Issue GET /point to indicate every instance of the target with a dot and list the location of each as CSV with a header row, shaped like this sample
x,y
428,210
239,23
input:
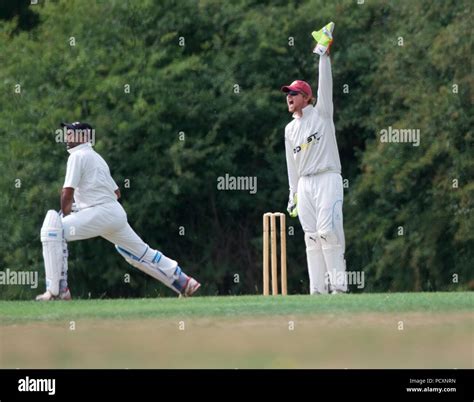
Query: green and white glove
x,y
323,37
292,205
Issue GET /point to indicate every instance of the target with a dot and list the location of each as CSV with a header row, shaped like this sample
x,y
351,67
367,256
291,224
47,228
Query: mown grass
x,y
233,306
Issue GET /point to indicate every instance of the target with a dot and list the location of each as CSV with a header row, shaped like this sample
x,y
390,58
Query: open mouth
x,y
290,102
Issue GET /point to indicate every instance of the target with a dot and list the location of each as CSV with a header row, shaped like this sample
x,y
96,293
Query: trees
x,y
417,190
182,93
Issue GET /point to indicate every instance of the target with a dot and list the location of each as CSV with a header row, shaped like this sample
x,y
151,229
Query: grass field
x,y
394,330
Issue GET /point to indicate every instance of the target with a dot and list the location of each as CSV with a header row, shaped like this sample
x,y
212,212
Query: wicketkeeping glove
x,y
292,205
324,39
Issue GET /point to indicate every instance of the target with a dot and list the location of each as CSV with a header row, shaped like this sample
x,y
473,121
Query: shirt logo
x,y
310,140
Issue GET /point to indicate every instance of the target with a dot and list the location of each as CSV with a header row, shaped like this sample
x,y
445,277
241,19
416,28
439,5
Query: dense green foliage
x,y
183,124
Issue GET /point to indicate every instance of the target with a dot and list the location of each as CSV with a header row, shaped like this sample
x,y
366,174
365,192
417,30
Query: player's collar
x,y
79,147
304,112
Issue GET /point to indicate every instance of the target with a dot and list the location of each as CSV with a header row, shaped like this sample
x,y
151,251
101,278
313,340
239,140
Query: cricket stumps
x,y
270,244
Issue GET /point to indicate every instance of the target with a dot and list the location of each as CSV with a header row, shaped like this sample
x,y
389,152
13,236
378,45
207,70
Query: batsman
x,y
96,212
314,173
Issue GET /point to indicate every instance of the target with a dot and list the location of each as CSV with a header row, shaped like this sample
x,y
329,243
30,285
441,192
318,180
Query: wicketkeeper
x,y
97,212
314,173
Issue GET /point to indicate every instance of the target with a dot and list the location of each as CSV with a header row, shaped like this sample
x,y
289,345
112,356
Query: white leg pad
x,y
316,264
55,252
333,253
153,269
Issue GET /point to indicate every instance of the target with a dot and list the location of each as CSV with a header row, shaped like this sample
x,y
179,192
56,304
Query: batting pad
x,y
333,253
316,264
149,269
54,251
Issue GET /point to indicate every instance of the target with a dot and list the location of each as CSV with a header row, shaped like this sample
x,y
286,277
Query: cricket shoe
x,y
324,39
48,296
337,292
191,287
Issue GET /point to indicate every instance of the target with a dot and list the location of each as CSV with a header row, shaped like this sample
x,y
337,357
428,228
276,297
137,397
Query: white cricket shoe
x,y
191,287
48,296
337,292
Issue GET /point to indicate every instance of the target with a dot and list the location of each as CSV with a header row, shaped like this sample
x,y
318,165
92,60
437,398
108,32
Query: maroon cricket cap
x,y
300,86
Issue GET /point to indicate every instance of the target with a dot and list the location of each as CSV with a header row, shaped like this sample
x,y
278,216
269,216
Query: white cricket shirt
x,y
89,175
310,140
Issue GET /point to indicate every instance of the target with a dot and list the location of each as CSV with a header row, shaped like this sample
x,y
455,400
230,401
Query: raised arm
x,y
324,39
324,103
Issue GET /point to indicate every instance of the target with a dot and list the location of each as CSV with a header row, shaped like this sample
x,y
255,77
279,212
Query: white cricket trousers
x,y
110,222
106,220
320,199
